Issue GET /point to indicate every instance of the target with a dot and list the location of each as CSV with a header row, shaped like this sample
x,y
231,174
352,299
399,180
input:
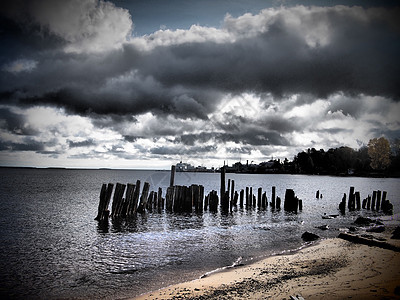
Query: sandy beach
x,y
329,269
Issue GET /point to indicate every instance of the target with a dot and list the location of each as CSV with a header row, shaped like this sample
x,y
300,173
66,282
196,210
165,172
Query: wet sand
x,y
330,269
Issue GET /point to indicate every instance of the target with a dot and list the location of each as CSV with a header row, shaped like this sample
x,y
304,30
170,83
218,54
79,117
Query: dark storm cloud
x,y
188,79
361,58
170,93
248,135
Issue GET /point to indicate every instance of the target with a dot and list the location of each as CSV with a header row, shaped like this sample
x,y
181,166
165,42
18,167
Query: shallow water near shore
x,y
51,247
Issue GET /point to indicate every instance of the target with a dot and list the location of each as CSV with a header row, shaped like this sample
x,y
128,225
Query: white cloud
x,y
86,26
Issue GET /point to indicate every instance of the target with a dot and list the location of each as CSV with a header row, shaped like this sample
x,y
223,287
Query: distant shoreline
x,y
366,175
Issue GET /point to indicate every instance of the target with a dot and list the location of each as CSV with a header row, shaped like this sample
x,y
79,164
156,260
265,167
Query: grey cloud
x,y
84,143
165,150
27,145
188,80
15,123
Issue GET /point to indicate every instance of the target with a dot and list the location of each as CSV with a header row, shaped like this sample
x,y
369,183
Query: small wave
x,y
236,263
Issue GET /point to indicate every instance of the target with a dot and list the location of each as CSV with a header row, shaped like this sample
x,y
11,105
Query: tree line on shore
x,y
378,158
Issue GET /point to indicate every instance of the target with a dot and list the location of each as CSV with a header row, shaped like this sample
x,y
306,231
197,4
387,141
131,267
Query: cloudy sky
x,y
144,84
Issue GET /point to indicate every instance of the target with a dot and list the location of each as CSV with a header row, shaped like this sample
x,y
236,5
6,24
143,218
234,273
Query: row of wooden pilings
x,y
230,197
377,202
186,198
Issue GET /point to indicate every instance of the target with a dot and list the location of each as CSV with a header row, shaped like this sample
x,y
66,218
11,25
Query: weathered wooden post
x,y
317,194
213,201
351,203
177,198
369,202
259,197
105,196
291,202
364,203
278,203
264,200
233,190
149,204
222,191
130,188
384,196
241,198
358,200
160,202
235,198
247,197
373,200
143,197
100,208
169,198
118,200
378,199
342,205
201,198
229,189
188,196
206,201
251,196
273,198
136,195
172,178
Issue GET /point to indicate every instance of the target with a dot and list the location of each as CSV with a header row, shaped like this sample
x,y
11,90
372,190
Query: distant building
x,y
186,167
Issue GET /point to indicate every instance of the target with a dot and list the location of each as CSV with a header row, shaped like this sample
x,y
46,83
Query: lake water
x,y
52,248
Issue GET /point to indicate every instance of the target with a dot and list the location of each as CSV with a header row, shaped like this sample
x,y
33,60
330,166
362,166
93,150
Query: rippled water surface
x,y
51,247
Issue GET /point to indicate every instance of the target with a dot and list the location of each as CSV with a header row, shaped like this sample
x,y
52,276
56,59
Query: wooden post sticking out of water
x,y
105,196
143,197
160,202
291,201
259,195
229,189
172,178
369,202
251,196
213,201
317,195
128,207
241,198
247,196
198,195
222,191
373,200
149,204
351,203
342,205
233,192
378,199
264,200
278,202
364,203
169,198
358,200
273,198
117,204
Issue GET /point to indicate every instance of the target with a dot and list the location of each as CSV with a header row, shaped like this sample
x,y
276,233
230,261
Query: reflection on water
x,y
50,246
